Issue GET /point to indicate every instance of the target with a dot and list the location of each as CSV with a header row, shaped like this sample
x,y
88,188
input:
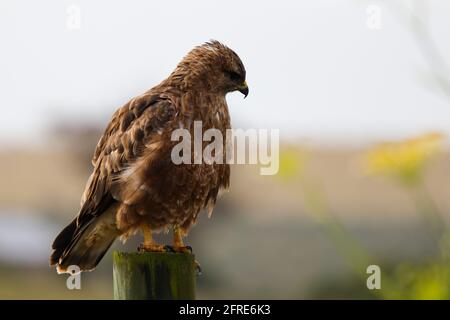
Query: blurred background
x,y
360,91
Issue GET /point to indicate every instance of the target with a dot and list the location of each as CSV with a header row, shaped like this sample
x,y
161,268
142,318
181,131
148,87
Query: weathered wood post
x,y
153,275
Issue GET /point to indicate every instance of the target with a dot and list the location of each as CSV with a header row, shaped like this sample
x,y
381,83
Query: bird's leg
x,y
180,247
178,244
149,245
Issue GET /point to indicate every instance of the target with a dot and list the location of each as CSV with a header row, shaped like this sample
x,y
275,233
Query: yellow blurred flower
x,y
292,161
404,160
421,282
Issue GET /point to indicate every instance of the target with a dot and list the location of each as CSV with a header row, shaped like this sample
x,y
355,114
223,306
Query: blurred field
x,y
260,243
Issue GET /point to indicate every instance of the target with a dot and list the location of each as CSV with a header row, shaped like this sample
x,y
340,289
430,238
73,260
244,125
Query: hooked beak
x,y
243,89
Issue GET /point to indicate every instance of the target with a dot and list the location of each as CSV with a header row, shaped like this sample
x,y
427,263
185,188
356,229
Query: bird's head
x,y
214,67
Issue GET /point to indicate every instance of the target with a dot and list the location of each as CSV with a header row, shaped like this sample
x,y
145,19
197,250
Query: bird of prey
x,y
134,184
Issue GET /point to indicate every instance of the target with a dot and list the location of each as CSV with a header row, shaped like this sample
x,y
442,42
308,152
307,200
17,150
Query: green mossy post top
x,y
153,275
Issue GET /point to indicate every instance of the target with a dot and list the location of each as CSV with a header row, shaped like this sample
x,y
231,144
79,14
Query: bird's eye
x,y
234,76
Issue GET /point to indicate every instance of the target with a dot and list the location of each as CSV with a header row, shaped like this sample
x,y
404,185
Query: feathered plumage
x,y
134,183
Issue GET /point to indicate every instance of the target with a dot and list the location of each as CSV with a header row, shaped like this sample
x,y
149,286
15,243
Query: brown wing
x,y
132,128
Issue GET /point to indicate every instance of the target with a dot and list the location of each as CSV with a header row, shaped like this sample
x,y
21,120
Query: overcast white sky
x,y
314,69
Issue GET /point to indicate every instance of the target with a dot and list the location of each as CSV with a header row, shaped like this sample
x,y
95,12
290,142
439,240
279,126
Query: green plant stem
x,y
429,211
348,246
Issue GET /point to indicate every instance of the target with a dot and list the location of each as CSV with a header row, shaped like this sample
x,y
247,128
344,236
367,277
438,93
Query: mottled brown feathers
x,y
134,180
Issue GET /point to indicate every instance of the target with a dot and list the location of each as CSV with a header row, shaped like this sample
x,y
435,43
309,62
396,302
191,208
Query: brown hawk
x,y
134,184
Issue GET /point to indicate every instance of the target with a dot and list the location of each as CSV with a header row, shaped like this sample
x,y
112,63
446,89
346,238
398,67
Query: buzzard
x,y
134,184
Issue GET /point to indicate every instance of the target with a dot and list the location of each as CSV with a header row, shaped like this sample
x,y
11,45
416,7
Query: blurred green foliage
x,y
405,163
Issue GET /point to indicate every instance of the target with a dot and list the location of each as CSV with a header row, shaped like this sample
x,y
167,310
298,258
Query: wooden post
x,y
153,275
